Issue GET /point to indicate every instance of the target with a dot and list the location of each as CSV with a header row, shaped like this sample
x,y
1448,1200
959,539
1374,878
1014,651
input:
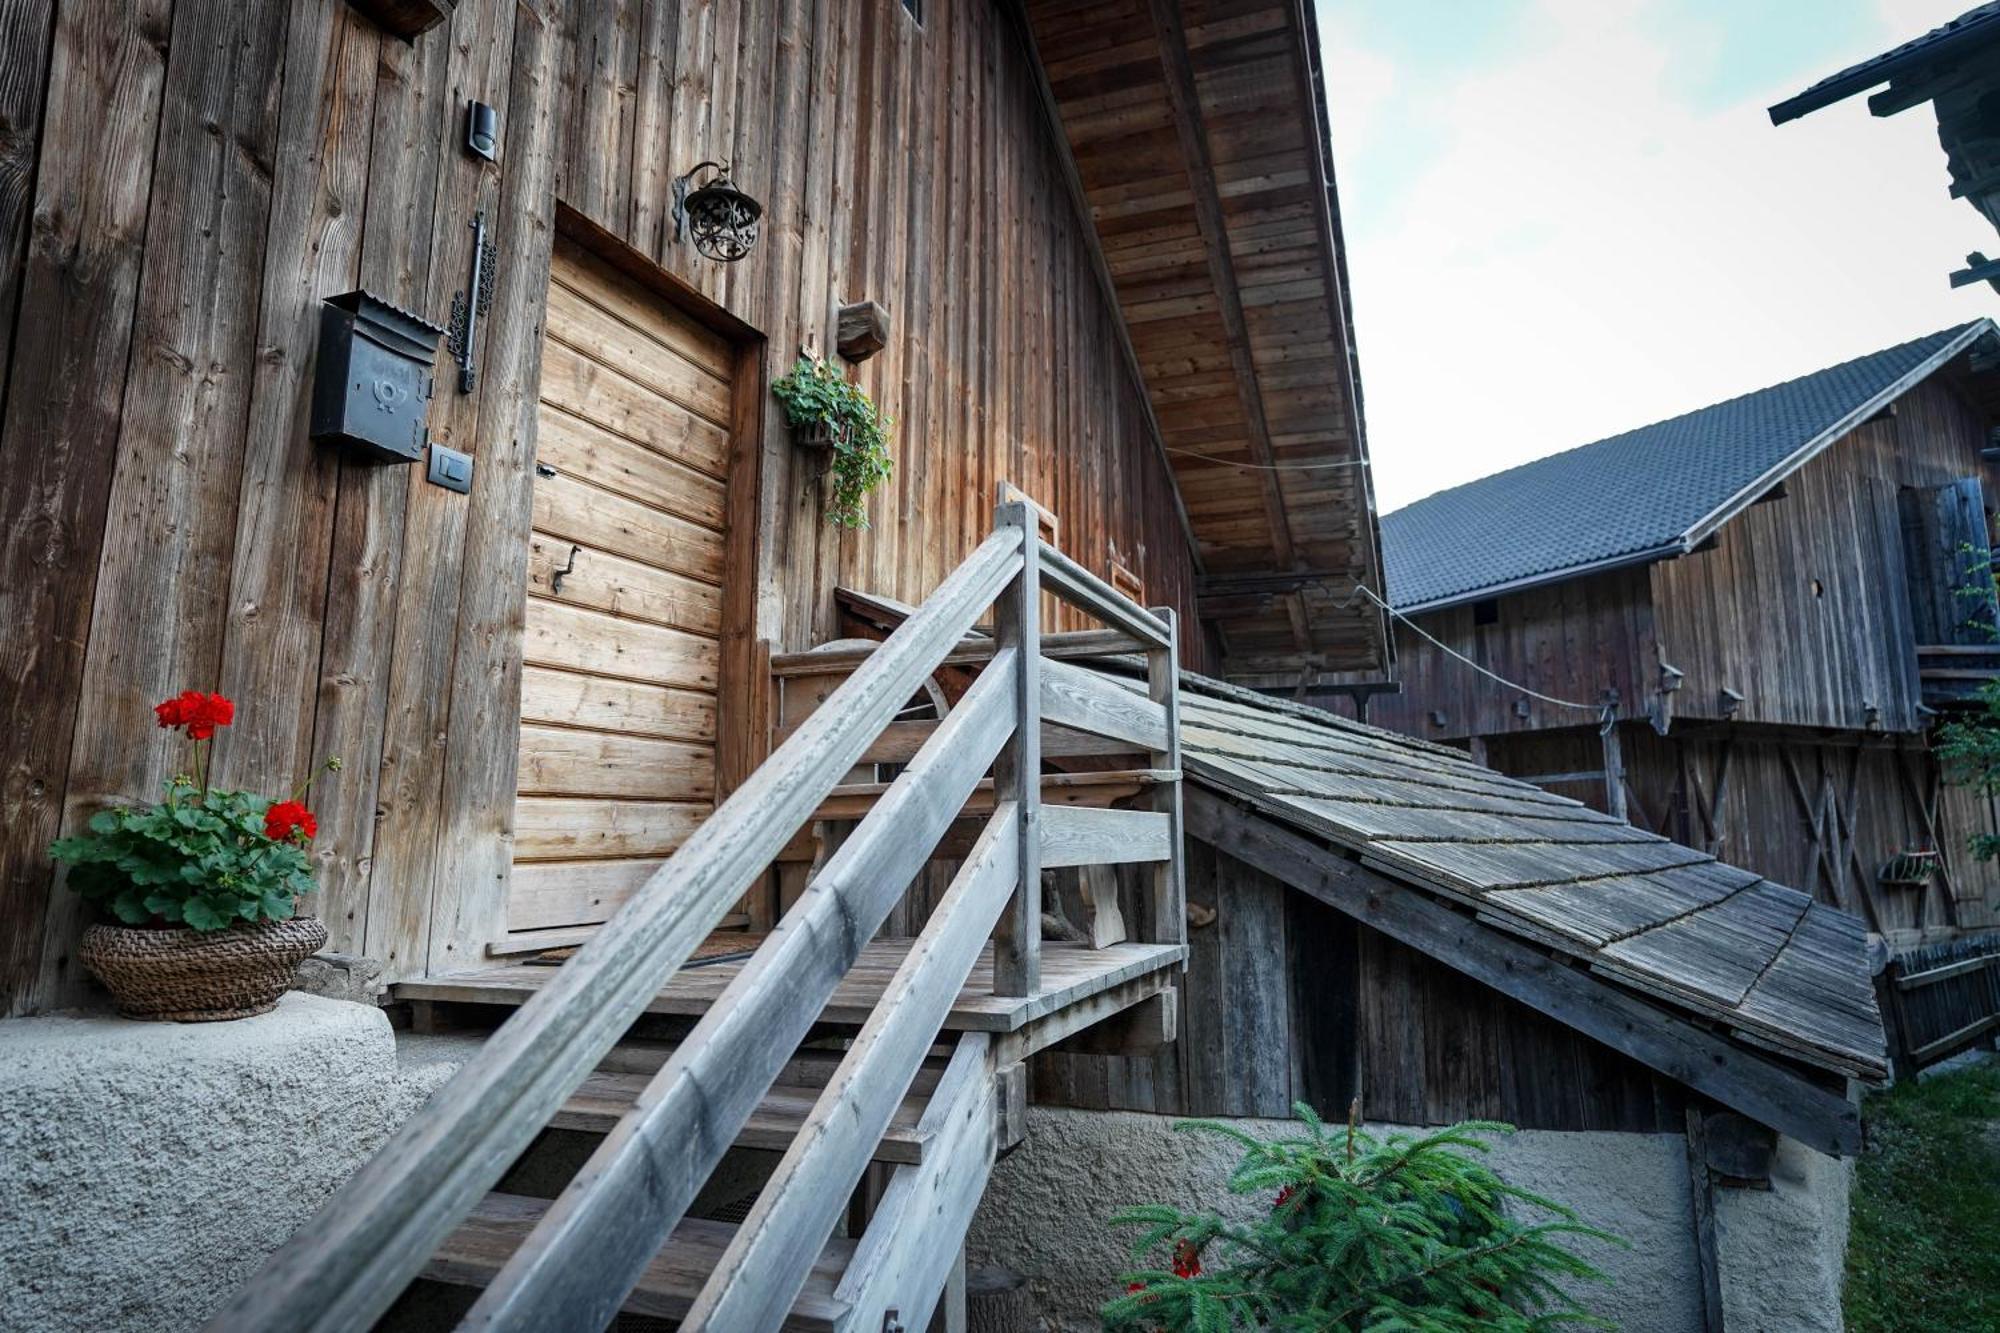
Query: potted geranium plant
x,y
826,411
204,887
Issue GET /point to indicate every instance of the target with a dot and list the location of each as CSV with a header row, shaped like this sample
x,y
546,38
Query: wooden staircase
x,y
920,1085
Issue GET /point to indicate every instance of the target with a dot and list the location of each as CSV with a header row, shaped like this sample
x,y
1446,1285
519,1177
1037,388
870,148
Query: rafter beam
x,y
1185,100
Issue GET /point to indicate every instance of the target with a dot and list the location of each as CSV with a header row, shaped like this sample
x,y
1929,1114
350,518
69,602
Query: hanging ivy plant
x,y
824,408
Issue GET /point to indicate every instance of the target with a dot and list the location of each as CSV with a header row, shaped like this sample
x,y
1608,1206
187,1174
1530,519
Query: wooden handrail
x,y
773,1251
971,651
1083,589
377,1232
590,1248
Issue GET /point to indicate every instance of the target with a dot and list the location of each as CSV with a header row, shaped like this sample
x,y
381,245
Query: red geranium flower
x,y
288,818
1187,1259
197,713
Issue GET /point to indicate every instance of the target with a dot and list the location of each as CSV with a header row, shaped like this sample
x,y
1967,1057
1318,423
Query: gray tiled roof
x,y
1629,494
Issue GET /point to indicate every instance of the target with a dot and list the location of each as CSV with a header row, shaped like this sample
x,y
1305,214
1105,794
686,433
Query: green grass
x,y
1924,1256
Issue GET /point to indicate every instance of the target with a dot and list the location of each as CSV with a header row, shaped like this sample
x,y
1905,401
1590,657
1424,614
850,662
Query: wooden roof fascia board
x,y
1748,495
1663,1041
1185,99
1650,555
1087,226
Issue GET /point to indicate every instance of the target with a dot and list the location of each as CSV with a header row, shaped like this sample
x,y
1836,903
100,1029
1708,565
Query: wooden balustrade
x,y
586,1252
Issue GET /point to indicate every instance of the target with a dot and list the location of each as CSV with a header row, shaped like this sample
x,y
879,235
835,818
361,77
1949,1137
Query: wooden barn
x,y
1770,600
402,370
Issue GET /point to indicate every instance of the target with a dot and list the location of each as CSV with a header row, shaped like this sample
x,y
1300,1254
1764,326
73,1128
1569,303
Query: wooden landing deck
x,y
1071,974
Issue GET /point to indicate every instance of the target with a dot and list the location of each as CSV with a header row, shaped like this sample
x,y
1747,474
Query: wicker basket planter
x,y
189,976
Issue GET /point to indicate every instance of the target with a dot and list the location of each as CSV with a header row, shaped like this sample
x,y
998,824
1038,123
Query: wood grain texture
x,y
79,290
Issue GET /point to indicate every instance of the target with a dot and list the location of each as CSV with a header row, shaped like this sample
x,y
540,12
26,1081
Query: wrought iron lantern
x,y
722,218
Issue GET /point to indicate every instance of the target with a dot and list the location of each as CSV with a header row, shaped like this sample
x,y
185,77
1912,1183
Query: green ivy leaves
x,y
196,859
815,393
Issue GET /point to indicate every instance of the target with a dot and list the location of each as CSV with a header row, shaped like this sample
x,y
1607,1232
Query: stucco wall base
x,y
1044,1216
151,1167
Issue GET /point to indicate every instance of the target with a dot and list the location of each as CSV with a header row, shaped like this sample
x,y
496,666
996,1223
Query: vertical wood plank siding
x,y
1287,1000
210,171
1742,614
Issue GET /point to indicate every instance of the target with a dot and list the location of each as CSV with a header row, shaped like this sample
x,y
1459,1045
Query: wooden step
x,y
473,1254
605,1097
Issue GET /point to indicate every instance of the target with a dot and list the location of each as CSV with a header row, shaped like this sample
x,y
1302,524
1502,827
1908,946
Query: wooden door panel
x,y
626,566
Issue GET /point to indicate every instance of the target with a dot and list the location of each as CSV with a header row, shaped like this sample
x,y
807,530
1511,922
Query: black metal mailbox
x,y
372,387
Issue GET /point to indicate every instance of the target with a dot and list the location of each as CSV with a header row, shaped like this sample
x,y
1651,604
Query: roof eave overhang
x,y
1302,91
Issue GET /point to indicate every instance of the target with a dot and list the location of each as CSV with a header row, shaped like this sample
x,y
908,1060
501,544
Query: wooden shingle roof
x,y
1760,962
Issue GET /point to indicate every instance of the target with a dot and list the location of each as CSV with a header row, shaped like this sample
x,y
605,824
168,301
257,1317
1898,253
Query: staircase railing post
x,y
1017,944
1168,924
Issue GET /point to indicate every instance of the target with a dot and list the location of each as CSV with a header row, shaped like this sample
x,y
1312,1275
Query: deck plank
x,y
1071,973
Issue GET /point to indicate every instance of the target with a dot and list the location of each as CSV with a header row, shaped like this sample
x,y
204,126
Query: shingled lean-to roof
x,y
1644,495
1699,939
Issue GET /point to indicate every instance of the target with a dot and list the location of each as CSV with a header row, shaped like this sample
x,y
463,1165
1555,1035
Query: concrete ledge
x,y
152,1166
1044,1216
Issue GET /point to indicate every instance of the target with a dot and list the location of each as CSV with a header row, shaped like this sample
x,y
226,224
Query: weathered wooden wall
x,y
1802,606
1570,641
1287,1000
913,166
187,178
1818,811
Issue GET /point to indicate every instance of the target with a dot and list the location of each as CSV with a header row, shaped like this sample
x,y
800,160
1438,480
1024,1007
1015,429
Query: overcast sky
x,y
1568,218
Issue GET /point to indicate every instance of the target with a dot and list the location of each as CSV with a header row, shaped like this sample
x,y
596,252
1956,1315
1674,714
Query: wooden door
x,y
624,598
1949,564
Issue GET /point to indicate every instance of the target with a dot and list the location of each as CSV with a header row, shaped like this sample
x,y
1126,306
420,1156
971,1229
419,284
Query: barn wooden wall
x,y
1286,999
1747,615
185,179
1571,641
1743,614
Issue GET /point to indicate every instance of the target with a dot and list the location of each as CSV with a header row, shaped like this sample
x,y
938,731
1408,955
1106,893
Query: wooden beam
x,y
1701,1198
1658,1038
1185,99
1088,702
1140,1030
899,1264
1081,835
1091,594
1017,942
970,651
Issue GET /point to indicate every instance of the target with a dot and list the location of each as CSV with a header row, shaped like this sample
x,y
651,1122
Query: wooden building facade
x,y
194,179
1773,673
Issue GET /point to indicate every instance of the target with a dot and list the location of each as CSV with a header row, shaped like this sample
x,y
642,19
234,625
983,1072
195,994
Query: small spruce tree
x,y
1399,1234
